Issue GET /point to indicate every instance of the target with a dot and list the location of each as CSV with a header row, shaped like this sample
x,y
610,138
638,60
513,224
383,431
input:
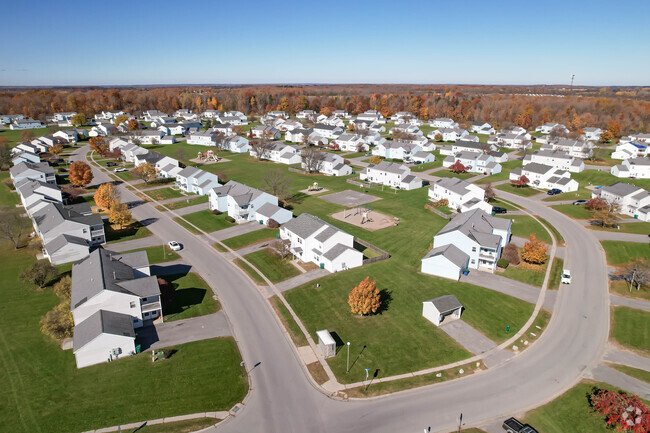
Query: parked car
x,y
119,170
512,425
579,202
499,209
110,164
554,191
566,276
175,246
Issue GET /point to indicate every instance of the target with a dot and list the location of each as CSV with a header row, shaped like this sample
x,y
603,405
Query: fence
x,y
383,255
433,209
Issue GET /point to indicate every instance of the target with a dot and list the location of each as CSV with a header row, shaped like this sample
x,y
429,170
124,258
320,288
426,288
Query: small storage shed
x,y
435,310
326,343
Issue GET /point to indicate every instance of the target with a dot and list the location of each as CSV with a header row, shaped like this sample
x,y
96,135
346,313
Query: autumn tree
x,y
490,194
625,413
511,254
133,125
596,203
98,144
58,323
458,167
145,171
365,298
13,226
521,181
80,173
606,137
55,149
78,120
614,128
40,273
63,287
26,135
119,214
607,216
106,196
375,159
534,251
312,159
277,183
437,137
120,119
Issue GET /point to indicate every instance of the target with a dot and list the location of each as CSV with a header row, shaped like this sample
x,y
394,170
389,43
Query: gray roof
x,y
536,167
242,194
268,209
450,252
102,322
188,172
305,225
336,251
456,185
55,214
22,167
621,189
639,161
390,167
326,234
62,241
104,270
446,304
477,225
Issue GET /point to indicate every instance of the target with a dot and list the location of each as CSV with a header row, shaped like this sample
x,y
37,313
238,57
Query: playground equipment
x,y
208,156
314,187
362,209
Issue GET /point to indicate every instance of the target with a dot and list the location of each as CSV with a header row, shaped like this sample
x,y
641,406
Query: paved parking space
x,y
468,337
349,198
184,331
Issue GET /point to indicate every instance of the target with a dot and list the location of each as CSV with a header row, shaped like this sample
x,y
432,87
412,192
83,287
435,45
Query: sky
x,y
74,42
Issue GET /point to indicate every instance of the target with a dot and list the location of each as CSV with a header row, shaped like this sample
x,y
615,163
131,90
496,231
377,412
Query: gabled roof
x,y
54,214
535,167
477,225
451,252
188,172
453,184
305,225
268,209
621,189
242,194
446,304
63,241
102,322
22,167
336,251
104,270
390,167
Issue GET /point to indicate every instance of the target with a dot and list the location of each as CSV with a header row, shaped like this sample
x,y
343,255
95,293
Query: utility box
x,y
326,343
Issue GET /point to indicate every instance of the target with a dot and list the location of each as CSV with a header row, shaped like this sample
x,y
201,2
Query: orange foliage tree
x,y
119,214
534,250
106,196
365,298
80,173
98,144
56,148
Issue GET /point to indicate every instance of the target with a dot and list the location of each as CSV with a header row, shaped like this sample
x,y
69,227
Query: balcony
x,y
151,306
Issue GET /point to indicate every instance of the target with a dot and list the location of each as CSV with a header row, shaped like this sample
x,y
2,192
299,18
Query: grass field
x,y
556,273
192,297
631,328
135,230
205,220
639,228
524,191
158,254
620,253
427,165
558,237
250,238
183,203
570,412
574,211
524,225
289,323
163,193
13,135
449,173
249,271
274,268
526,273
622,288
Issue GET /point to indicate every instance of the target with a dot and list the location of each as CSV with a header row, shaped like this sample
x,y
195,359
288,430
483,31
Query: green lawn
x,y
274,268
192,297
44,391
124,175
524,225
526,273
135,230
13,135
289,323
250,238
603,157
558,237
158,254
163,193
570,412
449,173
578,212
191,201
205,220
524,191
633,372
8,197
631,328
619,253
556,274
249,271
622,288
639,228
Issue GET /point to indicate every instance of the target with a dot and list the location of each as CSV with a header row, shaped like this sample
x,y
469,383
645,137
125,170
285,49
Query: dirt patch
x,y
203,162
375,220
320,191
349,198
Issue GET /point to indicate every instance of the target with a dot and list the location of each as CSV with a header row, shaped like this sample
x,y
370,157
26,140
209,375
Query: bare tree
x,y
486,148
312,159
490,194
636,272
263,146
13,226
277,184
281,247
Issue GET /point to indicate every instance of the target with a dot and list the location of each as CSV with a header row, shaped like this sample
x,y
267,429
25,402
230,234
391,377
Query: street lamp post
x,y
347,368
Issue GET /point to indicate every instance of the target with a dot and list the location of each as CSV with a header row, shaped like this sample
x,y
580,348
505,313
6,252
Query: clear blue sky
x,y
74,42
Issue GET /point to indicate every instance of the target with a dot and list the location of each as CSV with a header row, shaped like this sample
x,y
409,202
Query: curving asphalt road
x,y
282,399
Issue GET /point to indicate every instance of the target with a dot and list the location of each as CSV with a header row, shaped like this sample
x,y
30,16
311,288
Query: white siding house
x,y
462,196
633,200
638,168
545,177
240,201
474,162
391,174
556,158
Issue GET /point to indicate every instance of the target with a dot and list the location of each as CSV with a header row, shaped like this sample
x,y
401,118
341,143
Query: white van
x,y
566,276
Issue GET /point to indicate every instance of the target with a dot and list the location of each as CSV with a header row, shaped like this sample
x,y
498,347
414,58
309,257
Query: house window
x,y
474,249
473,261
132,305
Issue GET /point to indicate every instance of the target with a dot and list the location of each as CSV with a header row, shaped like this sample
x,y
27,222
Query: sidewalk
x,y
622,301
626,383
237,230
301,279
626,358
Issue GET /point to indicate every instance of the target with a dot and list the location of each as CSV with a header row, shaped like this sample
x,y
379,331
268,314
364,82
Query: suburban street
x,y
282,398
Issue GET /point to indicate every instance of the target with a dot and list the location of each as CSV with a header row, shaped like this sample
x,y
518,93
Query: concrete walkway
x,y
468,337
602,235
301,279
237,230
509,287
175,199
626,358
221,415
191,209
252,248
626,383
622,301
149,241
184,331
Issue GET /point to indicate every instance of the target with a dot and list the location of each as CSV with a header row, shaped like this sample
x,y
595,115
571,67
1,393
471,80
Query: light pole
x,y
347,368
367,370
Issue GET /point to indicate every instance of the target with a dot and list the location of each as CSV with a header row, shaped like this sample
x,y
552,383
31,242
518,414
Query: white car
x,y
566,276
175,246
119,170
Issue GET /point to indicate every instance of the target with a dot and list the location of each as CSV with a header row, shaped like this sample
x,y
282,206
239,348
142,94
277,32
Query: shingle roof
x,y
102,322
22,167
446,304
621,189
305,225
55,214
535,167
477,225
451,252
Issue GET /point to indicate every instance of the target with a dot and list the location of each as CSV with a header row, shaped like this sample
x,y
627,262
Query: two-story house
x,y
545,177
638,168
391,149
242,202
41,171
461,196
35,194
391,174
556,158
474,162
633,200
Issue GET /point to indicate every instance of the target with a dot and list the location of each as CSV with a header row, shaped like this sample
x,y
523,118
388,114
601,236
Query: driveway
x,y
626,358
184,331
468,337
149,241
239,229
622,301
